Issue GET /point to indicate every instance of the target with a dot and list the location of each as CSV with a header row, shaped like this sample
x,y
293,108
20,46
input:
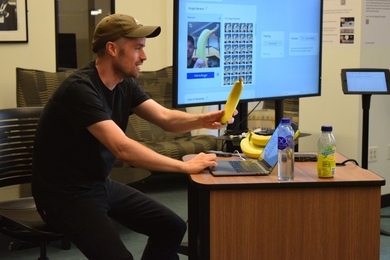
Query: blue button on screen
x,y
200,75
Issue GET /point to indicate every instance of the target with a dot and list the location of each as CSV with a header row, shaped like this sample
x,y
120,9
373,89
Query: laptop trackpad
x,y
223,167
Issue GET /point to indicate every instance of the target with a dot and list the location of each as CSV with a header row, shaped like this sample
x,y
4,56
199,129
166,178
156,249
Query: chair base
x,y
21,245
383,232
183,249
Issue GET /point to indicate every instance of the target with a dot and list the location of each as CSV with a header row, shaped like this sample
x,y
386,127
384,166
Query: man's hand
x,y
199,63
212,120
200,162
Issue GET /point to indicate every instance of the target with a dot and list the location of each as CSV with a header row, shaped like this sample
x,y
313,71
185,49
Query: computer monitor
x,y
67,51
274,45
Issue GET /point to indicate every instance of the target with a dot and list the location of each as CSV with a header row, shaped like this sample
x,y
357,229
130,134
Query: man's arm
x,y
126,149
178,121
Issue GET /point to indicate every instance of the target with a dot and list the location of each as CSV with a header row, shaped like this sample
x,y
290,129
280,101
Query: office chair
x,y
19,218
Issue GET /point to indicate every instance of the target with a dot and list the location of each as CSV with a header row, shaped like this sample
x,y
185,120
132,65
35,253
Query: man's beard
x,y
122,70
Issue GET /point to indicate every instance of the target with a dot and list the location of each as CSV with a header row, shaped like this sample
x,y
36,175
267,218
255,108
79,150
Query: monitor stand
x,y
279,111
240,124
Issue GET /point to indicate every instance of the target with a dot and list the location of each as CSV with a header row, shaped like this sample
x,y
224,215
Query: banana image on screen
x,y
202,44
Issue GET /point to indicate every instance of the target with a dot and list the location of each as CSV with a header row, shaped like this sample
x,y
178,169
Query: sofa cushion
x,y
34,87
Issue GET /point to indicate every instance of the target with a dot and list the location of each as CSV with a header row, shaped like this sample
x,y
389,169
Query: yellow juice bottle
x,y
326,155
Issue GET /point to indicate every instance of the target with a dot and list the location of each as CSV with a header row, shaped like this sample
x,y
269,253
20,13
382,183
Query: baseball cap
x,y
115,26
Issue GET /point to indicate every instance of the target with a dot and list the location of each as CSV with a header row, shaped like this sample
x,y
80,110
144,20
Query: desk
x,y
258,217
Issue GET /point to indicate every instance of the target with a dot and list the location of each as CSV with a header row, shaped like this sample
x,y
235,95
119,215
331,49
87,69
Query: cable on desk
x,y
344,163
238,153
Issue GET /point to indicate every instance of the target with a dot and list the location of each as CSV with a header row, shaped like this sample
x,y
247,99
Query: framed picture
x,y
13,21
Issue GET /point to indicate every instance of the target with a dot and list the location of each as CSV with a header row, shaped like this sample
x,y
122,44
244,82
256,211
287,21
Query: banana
x,y
251,149
232,101
202,44
260,140
296,135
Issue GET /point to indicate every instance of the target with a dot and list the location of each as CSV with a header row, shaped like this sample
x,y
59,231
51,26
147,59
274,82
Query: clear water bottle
x,y
326,155
285,151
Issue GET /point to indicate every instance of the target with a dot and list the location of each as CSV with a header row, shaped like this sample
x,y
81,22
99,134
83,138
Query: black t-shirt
x,y
68,160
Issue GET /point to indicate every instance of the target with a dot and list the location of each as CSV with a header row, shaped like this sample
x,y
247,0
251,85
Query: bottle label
x,y
284,142
326,163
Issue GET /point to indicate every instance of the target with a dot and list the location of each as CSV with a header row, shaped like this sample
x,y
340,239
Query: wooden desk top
x,y
305,177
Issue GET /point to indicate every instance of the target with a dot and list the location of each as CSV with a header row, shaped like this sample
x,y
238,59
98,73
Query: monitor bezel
x,y
176,56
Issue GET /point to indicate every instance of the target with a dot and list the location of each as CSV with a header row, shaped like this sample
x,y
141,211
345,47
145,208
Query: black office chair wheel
x,y
383,232
183,249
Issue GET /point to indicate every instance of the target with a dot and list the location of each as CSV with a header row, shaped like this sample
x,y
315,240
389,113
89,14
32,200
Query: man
x,y
193,62
81,133
7,16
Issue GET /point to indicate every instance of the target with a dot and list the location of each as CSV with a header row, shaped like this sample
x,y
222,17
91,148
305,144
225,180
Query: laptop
x,y
262,166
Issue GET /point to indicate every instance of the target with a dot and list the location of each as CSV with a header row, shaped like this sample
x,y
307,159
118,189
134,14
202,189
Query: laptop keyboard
x,y
246,166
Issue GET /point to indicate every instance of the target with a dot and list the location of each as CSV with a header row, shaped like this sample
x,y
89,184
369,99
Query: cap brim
x,y
144,31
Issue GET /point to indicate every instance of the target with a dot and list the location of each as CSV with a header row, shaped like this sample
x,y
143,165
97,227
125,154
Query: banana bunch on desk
x,y
253,144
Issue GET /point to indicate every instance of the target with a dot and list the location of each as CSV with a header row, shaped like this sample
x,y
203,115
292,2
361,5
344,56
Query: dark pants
x,y
89,222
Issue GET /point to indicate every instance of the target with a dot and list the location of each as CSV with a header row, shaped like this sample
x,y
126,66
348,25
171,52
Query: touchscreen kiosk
x,y
365,81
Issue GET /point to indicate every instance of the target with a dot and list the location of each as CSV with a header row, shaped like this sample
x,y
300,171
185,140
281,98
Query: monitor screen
x,y
275,46
365,81
67,54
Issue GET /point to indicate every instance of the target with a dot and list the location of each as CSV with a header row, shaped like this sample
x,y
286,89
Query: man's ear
x,y
111,48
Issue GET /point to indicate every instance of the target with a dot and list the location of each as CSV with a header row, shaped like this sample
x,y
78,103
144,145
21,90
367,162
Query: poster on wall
x,y
376,19
339,23
13,21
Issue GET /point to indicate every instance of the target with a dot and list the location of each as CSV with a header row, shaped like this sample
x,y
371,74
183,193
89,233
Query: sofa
x,y
34,88
265,117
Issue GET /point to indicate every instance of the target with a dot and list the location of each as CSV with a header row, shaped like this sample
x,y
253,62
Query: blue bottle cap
x,y
286,120
326,128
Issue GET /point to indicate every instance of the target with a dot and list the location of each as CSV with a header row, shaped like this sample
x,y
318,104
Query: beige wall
x,y
379,120
345,112
333,107
38,53
158,50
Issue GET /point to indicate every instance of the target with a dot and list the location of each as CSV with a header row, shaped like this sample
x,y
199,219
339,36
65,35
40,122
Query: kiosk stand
x,y
366,82
366,99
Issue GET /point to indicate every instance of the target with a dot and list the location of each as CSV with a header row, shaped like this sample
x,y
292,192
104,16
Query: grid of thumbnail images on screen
x,y
238,52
